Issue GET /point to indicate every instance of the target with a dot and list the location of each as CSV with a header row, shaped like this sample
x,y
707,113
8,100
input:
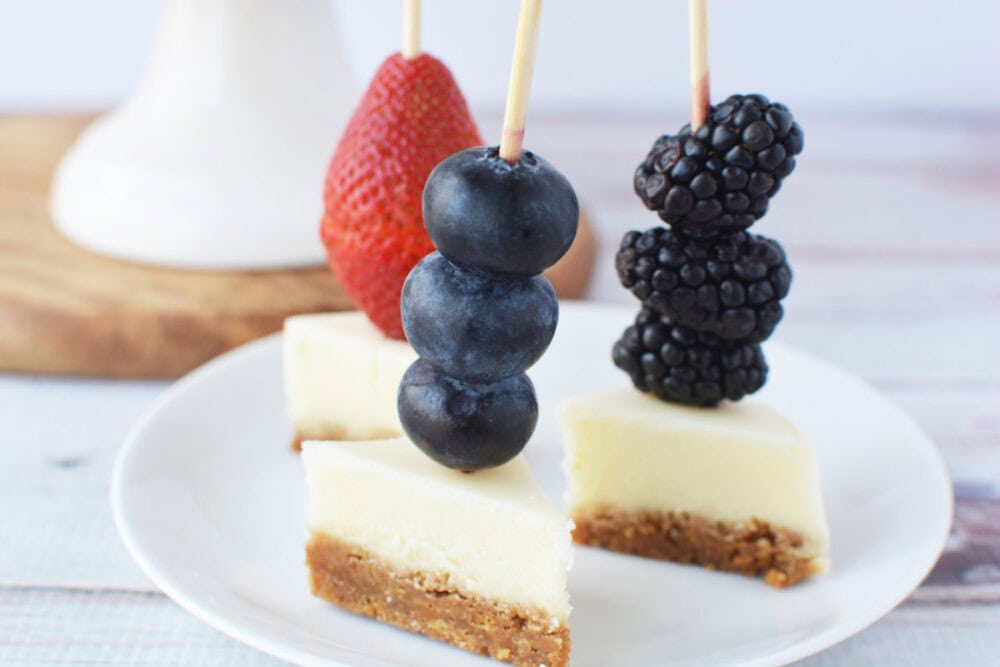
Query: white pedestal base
x,y
218,160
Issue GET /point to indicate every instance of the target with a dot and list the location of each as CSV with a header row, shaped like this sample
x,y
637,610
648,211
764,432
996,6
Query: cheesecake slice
x,y
341,377
477,560
731,488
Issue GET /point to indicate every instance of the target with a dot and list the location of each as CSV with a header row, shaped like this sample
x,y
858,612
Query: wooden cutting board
x,y
67,311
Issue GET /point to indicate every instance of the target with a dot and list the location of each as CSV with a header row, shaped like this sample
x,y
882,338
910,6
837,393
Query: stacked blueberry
x,y
478,311
710,290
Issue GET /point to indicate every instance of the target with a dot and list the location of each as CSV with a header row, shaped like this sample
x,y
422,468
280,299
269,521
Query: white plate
x,y
210,502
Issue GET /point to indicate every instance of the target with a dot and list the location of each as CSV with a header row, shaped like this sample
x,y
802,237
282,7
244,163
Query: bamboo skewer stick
x,y
521,71
411,29
698,36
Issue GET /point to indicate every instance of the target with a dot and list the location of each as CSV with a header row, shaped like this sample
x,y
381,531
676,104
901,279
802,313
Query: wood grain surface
x,y
892,230
67,311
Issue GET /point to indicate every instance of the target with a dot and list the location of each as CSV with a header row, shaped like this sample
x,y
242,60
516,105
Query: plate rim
x,y
161,579
219,621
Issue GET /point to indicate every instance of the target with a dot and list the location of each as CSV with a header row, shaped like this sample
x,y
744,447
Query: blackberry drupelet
x,y
719,179
679,364
731,286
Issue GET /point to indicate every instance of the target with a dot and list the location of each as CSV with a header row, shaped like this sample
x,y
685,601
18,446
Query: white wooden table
x,y
892,227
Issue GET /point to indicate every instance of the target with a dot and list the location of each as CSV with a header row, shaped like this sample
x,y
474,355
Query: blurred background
x,y
852,56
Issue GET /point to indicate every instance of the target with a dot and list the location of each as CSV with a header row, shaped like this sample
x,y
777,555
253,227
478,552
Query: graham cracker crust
x,y
340,434
352,578
754,548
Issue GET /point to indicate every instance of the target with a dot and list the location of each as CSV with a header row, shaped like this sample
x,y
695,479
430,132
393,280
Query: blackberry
x,y
679,364
731,287
719,179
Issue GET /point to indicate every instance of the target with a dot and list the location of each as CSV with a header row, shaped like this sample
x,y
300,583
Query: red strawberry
x,y
411,117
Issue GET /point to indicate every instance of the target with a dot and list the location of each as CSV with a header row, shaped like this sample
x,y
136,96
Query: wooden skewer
x,y
411,29
521,71
698,31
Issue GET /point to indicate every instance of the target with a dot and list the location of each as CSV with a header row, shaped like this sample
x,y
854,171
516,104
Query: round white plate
x,y
210,502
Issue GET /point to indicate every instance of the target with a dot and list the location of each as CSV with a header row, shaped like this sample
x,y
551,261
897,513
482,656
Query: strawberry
x,y
411,117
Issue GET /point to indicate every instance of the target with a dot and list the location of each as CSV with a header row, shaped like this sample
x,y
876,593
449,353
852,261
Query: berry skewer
x,y
477,311
710,290
521,74
411,29
701,99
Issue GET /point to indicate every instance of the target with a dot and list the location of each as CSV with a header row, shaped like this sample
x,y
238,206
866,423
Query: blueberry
x,y
482,212
463,425
474,325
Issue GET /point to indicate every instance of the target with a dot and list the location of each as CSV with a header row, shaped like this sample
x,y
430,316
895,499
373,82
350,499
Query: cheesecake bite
x,y
341,377
478,560
734,488
683,467
443,532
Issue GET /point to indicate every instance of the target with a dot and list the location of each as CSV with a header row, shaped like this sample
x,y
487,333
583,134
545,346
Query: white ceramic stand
x,y
217,161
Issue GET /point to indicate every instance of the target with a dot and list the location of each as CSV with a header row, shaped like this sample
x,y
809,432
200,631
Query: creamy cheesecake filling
x,y
734,463
341,377
491,533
